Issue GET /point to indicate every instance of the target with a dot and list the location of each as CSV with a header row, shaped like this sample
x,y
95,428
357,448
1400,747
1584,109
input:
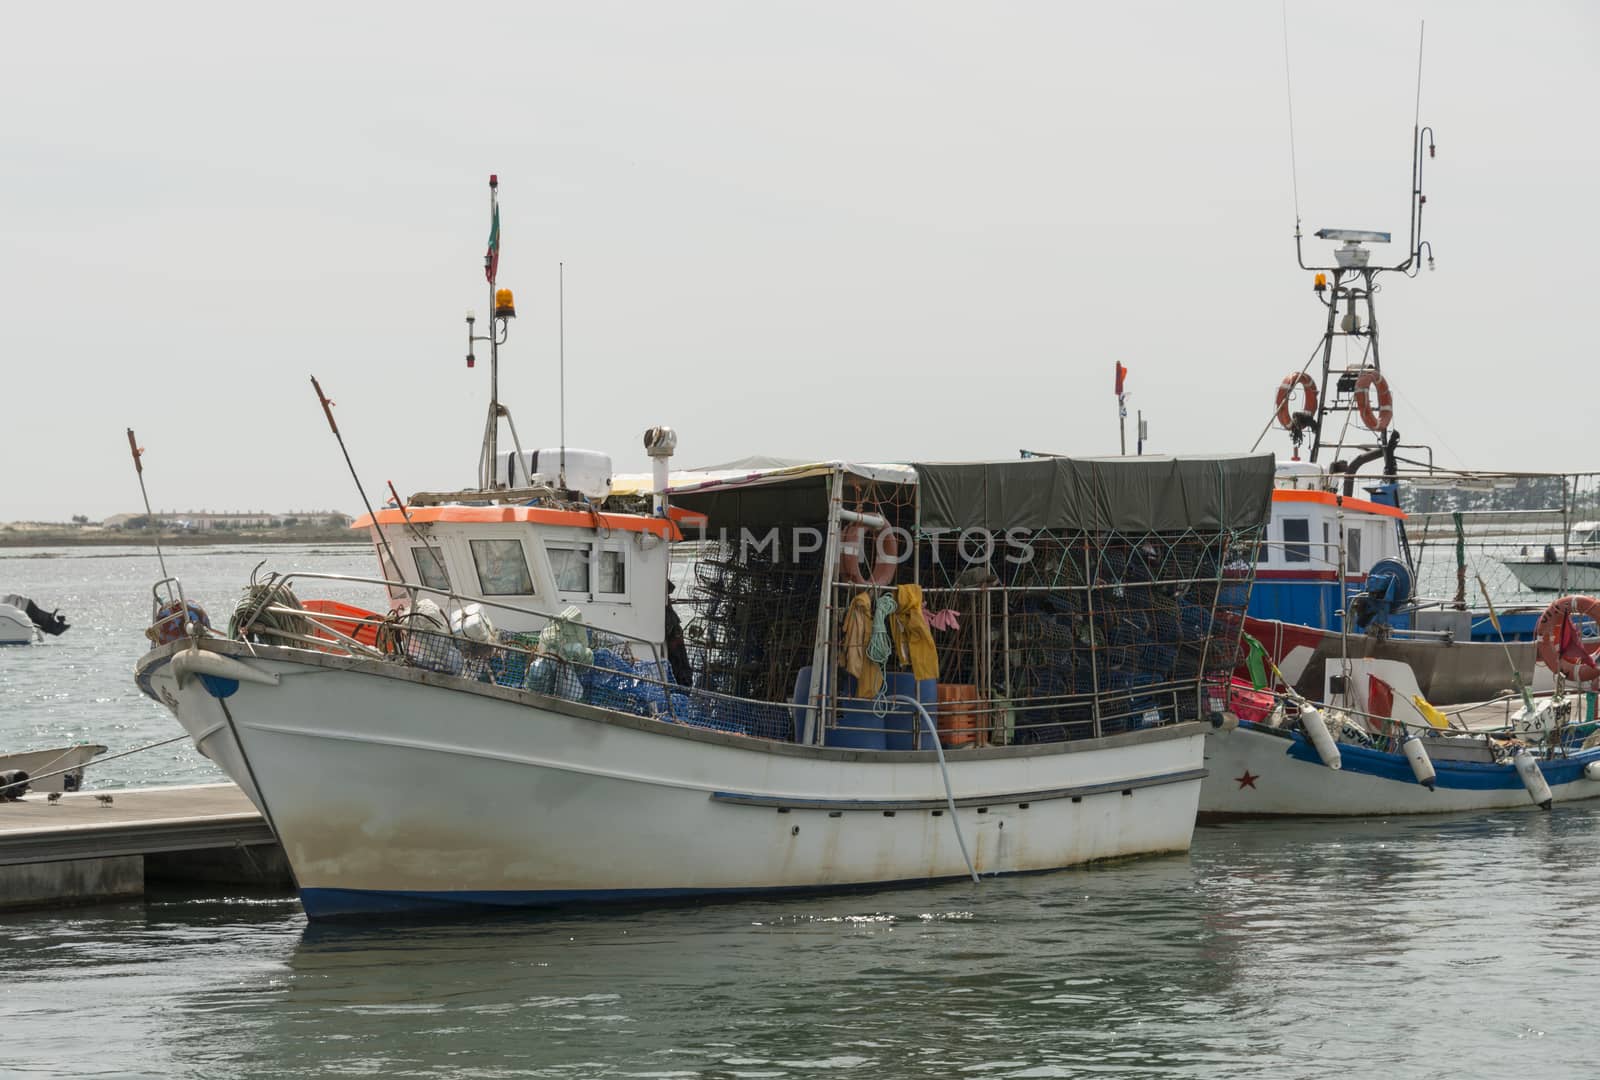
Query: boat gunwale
x,y
158,657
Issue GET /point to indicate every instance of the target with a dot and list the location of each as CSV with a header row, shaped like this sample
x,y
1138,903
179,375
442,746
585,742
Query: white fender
x,y
1316,729
1533,779
1421,766
1591,771
192,662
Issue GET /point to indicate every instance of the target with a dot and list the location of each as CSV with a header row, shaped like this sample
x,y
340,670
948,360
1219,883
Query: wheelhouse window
x,y
613,572
502,569
570,565
1296,540
1352,548
430,567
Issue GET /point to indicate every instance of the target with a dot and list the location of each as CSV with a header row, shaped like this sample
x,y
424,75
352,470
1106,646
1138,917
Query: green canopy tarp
x,y
1127,495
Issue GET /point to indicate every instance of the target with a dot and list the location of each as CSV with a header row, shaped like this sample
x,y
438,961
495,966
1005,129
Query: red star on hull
x,y
1246,781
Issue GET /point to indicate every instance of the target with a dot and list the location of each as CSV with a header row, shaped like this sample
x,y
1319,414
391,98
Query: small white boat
x,y
65,762
1267,770
23,622
1373,758
1576,568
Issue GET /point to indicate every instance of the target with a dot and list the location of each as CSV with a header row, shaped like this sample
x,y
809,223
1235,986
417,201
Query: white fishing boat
x,y
1338,575
22,622
1338,619
1574,568
880,674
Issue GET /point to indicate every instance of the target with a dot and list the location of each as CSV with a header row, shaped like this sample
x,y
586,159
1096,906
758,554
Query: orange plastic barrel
x,y
958,715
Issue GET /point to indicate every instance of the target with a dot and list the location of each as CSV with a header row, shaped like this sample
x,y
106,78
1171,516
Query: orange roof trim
x,y
692,518
525,515
1328,498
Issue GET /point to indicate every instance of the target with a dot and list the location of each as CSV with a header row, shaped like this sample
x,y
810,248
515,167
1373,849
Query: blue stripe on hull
x,y
1452,775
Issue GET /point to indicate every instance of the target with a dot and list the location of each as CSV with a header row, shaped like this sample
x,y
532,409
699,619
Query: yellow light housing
x,y
1320,284
504,306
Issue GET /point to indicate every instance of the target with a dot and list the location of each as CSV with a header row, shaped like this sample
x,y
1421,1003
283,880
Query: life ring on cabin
x,y
886,554
1376,419
1286,388
1555,625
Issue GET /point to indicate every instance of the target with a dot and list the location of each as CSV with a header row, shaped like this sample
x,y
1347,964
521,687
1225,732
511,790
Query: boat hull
x,y
1255,771
15,626
394,789
1537,575
35,762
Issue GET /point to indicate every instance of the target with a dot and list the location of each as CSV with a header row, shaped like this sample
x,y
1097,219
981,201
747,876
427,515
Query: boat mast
x,y
502,308
1352,311
1354,283
491,268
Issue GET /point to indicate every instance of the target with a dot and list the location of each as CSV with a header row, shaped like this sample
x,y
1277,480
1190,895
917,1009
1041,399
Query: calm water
x,y
1461,946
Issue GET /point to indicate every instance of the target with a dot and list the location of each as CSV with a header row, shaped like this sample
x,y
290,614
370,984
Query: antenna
x,y
1288,89
1416,119
561,353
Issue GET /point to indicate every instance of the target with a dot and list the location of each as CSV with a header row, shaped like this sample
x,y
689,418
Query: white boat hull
x,y
35,762
1538,576
1256,772
15,626
392,788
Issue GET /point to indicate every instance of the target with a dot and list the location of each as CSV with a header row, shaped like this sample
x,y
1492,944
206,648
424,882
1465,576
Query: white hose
x,y
949,798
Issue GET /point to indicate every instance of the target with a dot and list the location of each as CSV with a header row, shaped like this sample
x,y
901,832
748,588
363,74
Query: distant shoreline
x,y
67,538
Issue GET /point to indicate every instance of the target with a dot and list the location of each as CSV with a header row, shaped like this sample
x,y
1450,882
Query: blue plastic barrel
x,y
903,722
861,730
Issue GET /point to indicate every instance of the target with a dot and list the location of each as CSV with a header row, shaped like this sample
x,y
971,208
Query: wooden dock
x,y
98,845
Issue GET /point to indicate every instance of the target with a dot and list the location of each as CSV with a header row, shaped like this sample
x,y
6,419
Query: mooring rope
x,y
94,761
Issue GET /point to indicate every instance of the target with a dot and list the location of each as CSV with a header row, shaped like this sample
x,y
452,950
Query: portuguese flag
x,y
491,258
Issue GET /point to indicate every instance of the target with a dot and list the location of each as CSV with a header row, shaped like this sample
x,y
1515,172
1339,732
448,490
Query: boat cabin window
x,y
1352,549
502,569
570,565
430,568
613,572
589,568
1296,540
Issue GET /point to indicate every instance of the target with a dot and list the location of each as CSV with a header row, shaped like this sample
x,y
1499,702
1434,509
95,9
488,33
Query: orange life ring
x,y
1285,388
1375,419
1549,630
886,551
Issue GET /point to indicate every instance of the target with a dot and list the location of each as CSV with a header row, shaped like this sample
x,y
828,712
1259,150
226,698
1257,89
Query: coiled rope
x,y
880,648
255,611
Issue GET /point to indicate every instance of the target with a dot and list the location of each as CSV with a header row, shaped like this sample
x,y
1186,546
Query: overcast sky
x,y
869,230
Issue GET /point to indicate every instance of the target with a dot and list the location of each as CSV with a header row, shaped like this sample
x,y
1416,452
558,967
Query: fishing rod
x,y
155,526
1516,673
327,410
400,504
